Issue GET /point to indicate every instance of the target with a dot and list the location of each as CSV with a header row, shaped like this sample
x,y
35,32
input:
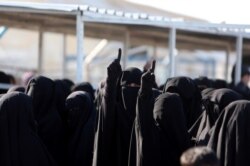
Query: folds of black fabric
x,y
61,93
50,126
17,89
214,104
161,132
190,95
115,119
81,123
86,87
194,129
230,138
4,78
19,142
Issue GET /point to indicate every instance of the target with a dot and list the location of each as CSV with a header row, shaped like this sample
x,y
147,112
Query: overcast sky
x,y
229,11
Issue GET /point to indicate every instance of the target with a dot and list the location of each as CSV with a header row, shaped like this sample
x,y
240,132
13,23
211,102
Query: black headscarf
x,y
17,89
214,105
203,82
86,87
218,83
20,145
50,125
61,93
4,78
206,93
68,82
190,95
230,139
173,135
81,124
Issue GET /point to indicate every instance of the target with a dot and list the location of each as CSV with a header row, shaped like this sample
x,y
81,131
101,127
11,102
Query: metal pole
x,y
228,50
79,36
64,63
172,45
40,52
154,51
239,44
126,48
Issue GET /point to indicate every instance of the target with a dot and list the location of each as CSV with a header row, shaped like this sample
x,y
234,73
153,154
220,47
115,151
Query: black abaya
x,y
161,131
214,104
86,87
190,95
116,118
19,142
81,123
50,126
230,138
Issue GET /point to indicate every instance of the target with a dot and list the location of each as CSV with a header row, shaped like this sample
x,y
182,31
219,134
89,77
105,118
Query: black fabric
x,y
81,124
242,89
161,131
218,83
4,79
105,144
16,89
86,87
230,139
131,75
50,125
61,93
122,98
203,82
214,105
190,95
19,142
68,82
171,122
206,93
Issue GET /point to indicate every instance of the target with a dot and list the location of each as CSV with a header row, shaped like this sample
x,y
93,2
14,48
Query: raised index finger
x,y
152,69
119,54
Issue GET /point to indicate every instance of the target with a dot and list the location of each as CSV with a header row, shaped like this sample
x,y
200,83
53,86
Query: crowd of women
x,y
127,121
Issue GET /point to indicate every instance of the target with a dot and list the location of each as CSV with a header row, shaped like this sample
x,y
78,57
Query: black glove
x,y
148,78
114,70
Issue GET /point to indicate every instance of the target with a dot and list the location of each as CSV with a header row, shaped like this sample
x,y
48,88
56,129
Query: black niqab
x,y
230,139
214,104
81,124
20,145
116,118
86,87
160,127
190,95
171,122
50,125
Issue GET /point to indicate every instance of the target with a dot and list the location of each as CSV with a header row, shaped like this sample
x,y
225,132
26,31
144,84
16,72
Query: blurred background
x,y
19,47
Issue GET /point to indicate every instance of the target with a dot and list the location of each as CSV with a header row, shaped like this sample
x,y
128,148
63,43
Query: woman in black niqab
x,y
190,95
230,138
81,123
160,127
214,104
116,115
50,125
19,142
